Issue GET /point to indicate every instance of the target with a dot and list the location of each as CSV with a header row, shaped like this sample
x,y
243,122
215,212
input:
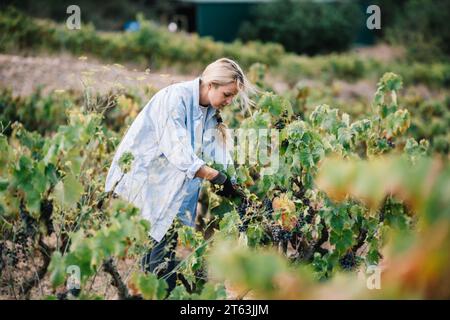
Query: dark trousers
x,y
161,260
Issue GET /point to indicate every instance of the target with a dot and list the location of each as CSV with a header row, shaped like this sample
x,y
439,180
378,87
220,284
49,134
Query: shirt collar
x,y
196,95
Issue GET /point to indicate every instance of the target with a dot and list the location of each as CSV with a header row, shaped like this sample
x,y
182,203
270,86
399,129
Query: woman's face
x,y
221,96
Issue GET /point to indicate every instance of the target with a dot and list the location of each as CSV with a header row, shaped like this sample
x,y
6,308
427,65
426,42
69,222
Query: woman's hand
x,y
207,173
219,178
228,190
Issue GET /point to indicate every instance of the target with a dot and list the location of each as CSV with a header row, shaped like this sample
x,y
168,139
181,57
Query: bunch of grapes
x,y
202,274
243,227
242,208
286,235
22,241
348,261
311,214
381,215
267,207
7,256
281,122
46,215
391,144
279,234
75,291
20,237
242,211
29,227
306,202
300,224
276,233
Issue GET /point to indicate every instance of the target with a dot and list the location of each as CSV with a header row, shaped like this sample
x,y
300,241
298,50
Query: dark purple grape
x,y
242,208
280,124
277,233
242,228
242,211
308,218
75,292
306,202
348,261
267,207
286,235
46,215
391,144
299,225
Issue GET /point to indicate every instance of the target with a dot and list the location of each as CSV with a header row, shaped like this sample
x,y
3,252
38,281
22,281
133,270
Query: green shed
x,y
221,19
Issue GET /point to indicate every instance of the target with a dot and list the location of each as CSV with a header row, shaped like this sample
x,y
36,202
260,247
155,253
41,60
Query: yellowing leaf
x,y
68,191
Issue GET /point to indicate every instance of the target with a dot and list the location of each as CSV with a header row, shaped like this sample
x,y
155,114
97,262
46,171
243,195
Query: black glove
x,y
228,189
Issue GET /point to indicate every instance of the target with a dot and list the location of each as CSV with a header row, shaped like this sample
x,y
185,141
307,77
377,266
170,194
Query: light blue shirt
x,y
170,140
188,209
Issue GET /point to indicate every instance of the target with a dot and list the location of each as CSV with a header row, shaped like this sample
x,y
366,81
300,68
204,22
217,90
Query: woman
x,y
170,144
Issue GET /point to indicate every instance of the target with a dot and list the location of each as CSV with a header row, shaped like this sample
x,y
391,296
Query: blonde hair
x,y
225,71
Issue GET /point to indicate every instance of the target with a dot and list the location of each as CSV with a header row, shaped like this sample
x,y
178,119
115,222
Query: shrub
x,y
304,27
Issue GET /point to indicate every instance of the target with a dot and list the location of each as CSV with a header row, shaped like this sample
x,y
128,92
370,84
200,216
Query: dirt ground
x,y
24,74
65,72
